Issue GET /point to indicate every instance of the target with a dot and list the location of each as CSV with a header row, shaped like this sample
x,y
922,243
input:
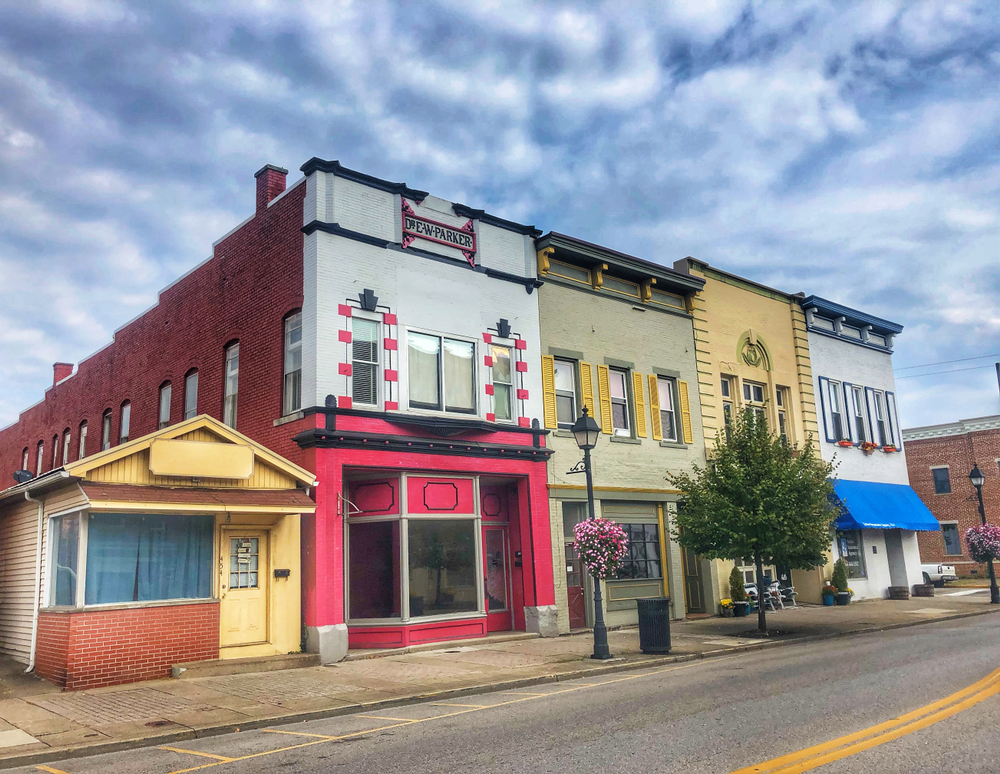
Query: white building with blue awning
x,y
876,532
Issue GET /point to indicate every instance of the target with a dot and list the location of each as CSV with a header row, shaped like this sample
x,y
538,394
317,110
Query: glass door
x,y
497,576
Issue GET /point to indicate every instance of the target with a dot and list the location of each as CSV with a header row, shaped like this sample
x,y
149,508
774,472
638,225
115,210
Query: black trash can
x,y
654,624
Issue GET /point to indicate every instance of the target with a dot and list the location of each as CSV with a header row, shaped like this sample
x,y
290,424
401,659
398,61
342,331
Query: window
x,y
952,542
618,383
126,418
883,438
781,398
40,459
503,390
55,452
65,531
667,299
232,387
442,565
106,430
643,560
833,393
442,373
668,419
942,483
565,382
24,458
165,391
82,452
858,399
727,400
66,440
568,271
142,558
191,395
852,552
293,363
753,396
624,287
364,361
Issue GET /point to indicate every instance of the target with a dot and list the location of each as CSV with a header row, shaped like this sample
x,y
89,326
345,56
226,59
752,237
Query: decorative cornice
x,y
338,230
492,220
351,439
961,427
530,283
335,168
849,340
852,316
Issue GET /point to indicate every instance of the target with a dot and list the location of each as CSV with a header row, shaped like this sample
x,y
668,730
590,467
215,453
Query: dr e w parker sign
x,y
461,237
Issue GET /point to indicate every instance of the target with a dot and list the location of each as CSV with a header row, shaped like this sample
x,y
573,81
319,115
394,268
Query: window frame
x,y
758,407
106,421
947,479
626,403
230,400
66,441
851,575
726,390
881,422
628,526
51,566
376,320
124,421
166,390
834,392
671,383
958,538
860,413
442,388
290,323
571,395
25,457
781,400
189,411
511,386
39,458
56,443
82,440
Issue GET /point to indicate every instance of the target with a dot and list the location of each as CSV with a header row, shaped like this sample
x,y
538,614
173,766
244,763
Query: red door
x,y
496,571
575,599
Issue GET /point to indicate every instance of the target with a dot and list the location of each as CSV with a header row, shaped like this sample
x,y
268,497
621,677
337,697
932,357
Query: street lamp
x,y
978,479
586,432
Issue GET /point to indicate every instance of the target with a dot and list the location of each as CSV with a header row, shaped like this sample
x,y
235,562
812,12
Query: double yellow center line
x,y
852,744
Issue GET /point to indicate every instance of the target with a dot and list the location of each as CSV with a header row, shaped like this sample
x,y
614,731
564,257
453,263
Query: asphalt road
x,y
712,716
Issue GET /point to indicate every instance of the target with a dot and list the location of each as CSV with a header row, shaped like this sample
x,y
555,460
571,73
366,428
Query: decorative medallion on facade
x,y
416,227
752,352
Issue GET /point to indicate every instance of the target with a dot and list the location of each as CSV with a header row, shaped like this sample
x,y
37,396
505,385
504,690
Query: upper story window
x,y
883,437
942,482
24,458
232,385
55,452
952,541
565,384
858,409
836,415
191,395
665,388
293,363
781,402
726,387
364,361
82,448
618,387
106,430
66,443
503,392
442,373
165,391
41,458
753,397
126,420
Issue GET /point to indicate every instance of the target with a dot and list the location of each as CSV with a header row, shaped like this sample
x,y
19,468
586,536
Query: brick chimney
x,y
270,183
60,371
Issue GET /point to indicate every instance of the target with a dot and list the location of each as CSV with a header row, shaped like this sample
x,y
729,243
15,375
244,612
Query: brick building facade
x,y
939,459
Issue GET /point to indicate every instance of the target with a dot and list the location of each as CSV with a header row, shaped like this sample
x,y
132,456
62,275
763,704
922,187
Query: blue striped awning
x,y
868,505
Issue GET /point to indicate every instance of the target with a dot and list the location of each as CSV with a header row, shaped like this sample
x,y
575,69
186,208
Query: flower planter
x,y
727,612
923,590
889,449
899,592
844,598
740,609
829,600
845,444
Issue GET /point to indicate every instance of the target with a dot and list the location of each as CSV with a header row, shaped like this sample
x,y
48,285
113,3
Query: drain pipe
x,y
38,581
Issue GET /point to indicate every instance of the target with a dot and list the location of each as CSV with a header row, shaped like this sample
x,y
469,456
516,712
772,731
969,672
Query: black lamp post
x,y
586,432
978,479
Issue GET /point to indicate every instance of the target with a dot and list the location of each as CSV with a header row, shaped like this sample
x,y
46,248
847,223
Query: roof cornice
x,y
336,168
961,427
851,316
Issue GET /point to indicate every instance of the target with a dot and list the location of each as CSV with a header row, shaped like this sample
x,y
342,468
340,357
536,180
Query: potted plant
x,y
889,449
726,608
840,581
868,447
829,592
738,593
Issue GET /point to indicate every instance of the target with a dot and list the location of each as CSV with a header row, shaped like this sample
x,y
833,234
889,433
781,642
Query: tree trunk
x,y
761,591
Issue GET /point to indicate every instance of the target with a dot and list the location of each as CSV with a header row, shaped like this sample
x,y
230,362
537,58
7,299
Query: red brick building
x,y
939,459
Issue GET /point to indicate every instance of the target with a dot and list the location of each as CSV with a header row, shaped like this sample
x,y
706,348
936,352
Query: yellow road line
x,y
296,733
859,741
224,758
50,769
386,717
452,704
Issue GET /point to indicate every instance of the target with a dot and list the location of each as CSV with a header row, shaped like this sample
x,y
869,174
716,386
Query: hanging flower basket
x,y
601,545
868,447
983,542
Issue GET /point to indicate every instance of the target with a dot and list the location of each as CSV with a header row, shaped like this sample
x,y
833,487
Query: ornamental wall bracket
x,y
543,259
647,288
597,275
580,467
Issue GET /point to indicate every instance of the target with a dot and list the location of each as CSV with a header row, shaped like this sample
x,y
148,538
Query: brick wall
x,y
94,648
958,452
251,282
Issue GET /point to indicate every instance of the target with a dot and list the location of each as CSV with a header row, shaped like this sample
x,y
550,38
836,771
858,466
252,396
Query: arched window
x,y
24,458
191,394
293,364
126,420
232,384
165,391
106,430
55,452
83,440
40,459
65,452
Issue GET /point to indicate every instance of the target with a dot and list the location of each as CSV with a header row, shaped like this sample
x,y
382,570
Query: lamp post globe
x,y
586,431
978,479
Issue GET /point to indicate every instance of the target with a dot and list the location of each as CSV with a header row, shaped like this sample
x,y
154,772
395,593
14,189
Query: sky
x,y
848,150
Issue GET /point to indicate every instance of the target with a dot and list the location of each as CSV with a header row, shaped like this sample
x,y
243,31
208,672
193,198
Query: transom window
x,y
364,361
668,416
293,364
565,383
441,373
232,387
503,392
618,385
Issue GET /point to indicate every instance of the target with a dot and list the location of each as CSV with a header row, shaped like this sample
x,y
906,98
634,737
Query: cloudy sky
x,y
850,150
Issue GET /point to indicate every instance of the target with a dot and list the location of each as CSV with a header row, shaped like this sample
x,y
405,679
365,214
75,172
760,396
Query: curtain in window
x,y
423,366
112,555
460,393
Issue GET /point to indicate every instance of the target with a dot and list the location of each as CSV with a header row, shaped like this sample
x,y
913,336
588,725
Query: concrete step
x,y
476,642
241,666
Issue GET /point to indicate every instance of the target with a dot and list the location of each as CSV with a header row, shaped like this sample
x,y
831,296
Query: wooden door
x,y
576,600
694,592
496,574
244,587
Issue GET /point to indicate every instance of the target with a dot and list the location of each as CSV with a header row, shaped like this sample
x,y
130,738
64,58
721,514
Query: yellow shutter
x,y
549,391
654,409
587,389
604,388
640,405
682,388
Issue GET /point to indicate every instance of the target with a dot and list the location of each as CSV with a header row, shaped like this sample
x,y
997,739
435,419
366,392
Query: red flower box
x,y
845,444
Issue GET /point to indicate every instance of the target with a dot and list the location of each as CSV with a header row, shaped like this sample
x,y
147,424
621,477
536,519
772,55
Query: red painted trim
x,y
522,394
491,417
346,369
413,634
488,338
521,366
488,361
390,344
343,310
391,405
344,401
389,318
520,344
344,336
391,375
524,422
489,389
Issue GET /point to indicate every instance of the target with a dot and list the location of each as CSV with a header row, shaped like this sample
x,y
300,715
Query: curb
x,y
79,751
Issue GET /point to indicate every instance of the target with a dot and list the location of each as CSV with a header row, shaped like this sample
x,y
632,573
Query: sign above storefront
x,y
460,237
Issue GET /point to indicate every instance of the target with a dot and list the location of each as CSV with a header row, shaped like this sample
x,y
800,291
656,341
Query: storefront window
x,y
852,552
66,544
374,574
643,559
442,564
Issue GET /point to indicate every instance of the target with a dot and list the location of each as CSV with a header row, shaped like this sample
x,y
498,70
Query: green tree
x,y
757,497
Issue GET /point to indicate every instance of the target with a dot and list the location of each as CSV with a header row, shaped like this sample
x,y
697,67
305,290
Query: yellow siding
x,y
134,469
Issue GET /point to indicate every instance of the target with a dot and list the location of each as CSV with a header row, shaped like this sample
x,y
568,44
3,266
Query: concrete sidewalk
x,y
40,723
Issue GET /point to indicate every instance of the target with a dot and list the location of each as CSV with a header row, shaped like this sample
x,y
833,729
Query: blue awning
x,y
868,505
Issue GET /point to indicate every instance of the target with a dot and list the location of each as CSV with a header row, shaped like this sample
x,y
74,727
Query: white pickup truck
x,y
938,573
